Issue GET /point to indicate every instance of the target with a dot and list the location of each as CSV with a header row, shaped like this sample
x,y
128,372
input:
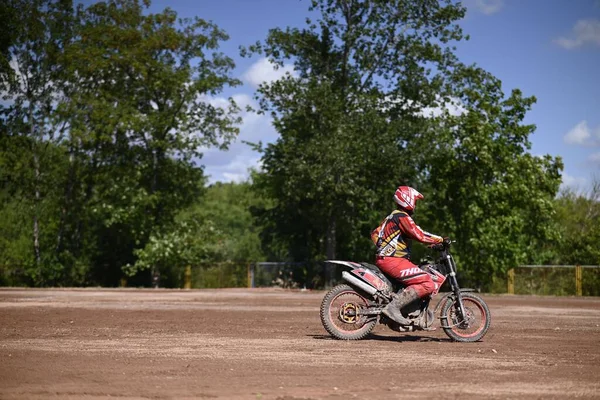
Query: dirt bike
x,y
351,310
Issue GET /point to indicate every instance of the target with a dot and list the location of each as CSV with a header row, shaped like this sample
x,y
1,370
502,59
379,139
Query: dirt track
x,y
269,344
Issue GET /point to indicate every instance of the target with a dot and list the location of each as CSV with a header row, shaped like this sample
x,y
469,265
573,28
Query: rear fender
x,y
349,264
367,275
371,278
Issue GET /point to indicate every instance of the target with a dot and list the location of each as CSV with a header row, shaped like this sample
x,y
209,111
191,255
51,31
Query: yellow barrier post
x,y
511,281
187,282
249,275
578,280
123,282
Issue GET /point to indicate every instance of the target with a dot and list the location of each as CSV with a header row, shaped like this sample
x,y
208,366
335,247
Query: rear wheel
x,y
473,326
340,314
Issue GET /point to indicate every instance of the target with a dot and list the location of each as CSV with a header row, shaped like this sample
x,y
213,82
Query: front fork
x,y
458,304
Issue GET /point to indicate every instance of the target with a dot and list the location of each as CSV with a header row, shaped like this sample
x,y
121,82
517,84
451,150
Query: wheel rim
x,y
474,322
343,311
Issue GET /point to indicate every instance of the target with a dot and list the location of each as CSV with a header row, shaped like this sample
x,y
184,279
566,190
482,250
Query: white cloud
x,y
236,169
265,71
579,134
572,182
594,158
585,31
487,7
233,165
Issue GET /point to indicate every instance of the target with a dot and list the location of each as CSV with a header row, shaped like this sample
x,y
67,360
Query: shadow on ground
x,y
382,338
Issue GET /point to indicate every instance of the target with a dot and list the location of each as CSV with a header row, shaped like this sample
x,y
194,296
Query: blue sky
x,y
550,49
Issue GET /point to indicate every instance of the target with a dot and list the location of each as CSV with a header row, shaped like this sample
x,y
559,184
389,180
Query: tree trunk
x,y
68,194
36,188
331,244
36,200
157,184
331,238
155,277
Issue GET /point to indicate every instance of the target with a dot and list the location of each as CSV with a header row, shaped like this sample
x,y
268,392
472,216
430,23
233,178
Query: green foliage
x,y
363,70
220,275
369,109
15,243
486,190
578,221
9,15
228,206
31,135
155,72
217,229
186,243
108,107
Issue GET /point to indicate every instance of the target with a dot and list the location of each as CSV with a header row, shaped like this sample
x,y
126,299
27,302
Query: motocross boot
x,y
392,310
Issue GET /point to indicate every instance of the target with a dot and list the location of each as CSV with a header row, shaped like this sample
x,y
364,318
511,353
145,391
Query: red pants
x,y
407,273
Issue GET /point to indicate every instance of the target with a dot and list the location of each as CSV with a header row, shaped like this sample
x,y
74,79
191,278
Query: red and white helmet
x,y
407,197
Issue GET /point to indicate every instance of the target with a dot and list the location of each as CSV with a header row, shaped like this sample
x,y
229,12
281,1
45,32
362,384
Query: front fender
x,y
447,296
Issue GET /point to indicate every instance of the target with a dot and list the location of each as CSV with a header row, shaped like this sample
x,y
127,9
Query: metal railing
x,y
578,275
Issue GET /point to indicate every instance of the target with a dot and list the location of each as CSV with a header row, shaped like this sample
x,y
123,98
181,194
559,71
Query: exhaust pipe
x,y
358,283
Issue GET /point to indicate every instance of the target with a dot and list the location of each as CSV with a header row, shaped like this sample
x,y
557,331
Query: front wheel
x,y
473,326
340,314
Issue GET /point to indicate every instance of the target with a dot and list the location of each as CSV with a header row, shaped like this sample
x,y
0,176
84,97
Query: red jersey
x,y
393,236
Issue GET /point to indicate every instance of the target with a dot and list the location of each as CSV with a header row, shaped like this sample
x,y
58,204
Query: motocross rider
x,y
393,240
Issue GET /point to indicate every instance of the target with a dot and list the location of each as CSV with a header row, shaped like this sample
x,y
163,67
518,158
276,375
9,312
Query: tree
x,y
228,206
489,193
140,111
31,88
217,228
9,15
364,70
108,108
578,221
379,99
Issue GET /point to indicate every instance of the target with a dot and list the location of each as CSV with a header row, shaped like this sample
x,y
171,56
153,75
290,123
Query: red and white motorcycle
x,y
351,310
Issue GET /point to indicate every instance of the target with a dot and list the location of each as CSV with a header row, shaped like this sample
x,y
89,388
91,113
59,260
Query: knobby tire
x,y
452,326
365,325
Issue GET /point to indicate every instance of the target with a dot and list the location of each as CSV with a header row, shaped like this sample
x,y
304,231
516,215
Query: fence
x,y
216,275
565,280
578,280
260,274
307,275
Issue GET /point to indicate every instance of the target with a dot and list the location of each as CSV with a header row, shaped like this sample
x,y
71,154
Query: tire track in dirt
x,y
269,344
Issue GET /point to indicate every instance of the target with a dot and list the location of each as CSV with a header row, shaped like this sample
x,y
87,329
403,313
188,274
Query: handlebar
x,y
444,245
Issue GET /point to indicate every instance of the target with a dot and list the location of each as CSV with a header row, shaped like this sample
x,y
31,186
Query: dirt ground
x,y
269,344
